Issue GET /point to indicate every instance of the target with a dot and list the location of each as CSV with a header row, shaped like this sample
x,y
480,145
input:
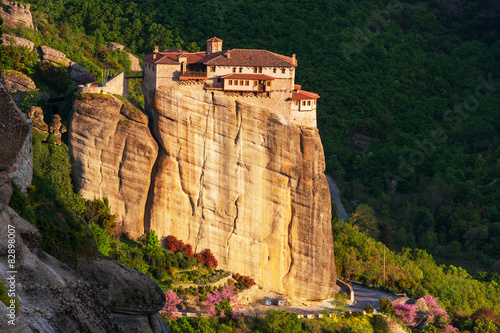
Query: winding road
x,y
363,296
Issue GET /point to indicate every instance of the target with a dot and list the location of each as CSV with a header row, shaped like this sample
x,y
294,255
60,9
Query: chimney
x,y
294,57
156,49
228,54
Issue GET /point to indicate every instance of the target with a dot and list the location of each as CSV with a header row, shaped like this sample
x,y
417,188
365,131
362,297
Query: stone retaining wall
x,y
348,289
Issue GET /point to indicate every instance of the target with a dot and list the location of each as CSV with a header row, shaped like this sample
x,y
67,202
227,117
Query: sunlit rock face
x,y
217,172
238,179
113,153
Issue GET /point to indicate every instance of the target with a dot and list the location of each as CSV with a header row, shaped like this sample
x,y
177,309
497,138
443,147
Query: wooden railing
x,y
193,74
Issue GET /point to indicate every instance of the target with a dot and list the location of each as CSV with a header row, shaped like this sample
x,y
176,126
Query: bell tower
x,y
214,44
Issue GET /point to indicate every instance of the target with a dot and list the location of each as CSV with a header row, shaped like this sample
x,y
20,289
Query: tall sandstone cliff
x,y
230,176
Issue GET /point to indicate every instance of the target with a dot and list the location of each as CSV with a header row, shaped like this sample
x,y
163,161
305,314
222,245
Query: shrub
x,y
369,308
246,281
280,321
176,245
20,59
207,258
386,306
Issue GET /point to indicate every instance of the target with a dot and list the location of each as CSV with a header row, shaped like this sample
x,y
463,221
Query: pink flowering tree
x,y
170,311
438,315
406,312
222,304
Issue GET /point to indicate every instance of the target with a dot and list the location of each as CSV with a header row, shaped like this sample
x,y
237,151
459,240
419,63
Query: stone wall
x,y
304,118
117,85
21,171
346,288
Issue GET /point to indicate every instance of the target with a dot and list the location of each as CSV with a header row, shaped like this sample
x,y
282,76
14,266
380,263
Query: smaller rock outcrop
x,y
17,41
57,128
134,61
35,113
109,140
75,71
19,85
15,14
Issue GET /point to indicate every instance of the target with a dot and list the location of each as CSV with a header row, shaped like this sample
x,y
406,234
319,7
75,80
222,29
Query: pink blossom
x,y
170,309
449,329
222,303
434,308
406,312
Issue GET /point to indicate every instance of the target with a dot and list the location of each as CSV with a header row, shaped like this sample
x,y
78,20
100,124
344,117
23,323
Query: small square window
x,y
235,82
255,82
283,71
274,70
230,82
242,83
303,103
260,69
212,68
247,83
255,69
234,69
241,70
268,83
308,103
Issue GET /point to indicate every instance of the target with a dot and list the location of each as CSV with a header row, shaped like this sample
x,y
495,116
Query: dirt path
x,y
215,284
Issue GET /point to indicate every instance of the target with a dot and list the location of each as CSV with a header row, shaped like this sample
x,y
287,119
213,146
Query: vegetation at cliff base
x,y
52,206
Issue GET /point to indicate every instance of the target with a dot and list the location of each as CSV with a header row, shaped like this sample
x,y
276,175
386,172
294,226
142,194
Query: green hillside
x,y
408,112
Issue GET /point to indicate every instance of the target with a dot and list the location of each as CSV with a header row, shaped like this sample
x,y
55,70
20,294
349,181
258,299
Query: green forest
x,y
408,112
409,119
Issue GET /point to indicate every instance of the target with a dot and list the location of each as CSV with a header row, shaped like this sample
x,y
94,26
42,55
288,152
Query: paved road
x,y
363,296
335,194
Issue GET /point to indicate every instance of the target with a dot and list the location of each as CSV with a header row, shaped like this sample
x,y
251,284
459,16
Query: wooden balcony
x,y
188,75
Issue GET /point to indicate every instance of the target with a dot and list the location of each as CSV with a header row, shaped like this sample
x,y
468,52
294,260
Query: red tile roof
x,y
248,58
297,87
159,58
192,58
214,39
235,57
248,77
303,95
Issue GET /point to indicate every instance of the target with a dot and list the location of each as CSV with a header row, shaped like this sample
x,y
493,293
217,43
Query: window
x,y
303,103
260,69
241,70
283,71
274,70
235,82
247,83
255,69
268,83
242,83
234,69
218,80
230,82
308,103
212,68
255,82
